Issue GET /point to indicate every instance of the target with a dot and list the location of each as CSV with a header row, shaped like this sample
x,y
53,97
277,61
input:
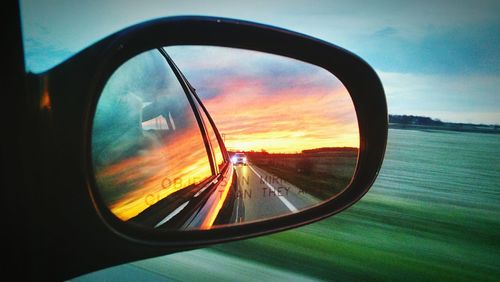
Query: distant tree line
x,y
409,121
416,120
330,149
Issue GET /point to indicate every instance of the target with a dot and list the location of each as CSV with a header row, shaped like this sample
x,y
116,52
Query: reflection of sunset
x,y
219,198
263,101
133,184
287,121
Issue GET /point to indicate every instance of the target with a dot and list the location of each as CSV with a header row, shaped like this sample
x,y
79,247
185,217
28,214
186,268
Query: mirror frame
x,y
73,88
358,77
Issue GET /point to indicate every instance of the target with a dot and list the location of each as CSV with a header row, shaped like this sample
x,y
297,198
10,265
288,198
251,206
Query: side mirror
x,y
290,141
188,131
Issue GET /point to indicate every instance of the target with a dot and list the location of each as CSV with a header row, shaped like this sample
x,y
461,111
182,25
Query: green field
x,y
433,214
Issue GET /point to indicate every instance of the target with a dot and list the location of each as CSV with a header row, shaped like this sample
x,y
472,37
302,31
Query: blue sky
x,y
435,58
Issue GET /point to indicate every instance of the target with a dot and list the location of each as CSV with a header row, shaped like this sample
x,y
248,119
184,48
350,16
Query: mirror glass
x,y
199,137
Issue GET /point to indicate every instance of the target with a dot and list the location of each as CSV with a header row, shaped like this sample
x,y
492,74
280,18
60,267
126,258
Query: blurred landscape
x,y
427,123
433,214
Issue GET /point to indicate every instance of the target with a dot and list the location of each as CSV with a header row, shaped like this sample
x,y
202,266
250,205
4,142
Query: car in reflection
x,y
239,159
157,126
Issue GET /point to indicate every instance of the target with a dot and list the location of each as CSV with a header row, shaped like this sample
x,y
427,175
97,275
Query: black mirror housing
x,y
75,224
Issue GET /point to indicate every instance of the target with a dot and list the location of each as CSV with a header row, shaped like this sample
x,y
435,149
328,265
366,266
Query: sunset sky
x,y
262,101
435,58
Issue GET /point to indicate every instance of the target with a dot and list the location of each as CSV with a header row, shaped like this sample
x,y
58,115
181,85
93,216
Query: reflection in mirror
x,y
261,136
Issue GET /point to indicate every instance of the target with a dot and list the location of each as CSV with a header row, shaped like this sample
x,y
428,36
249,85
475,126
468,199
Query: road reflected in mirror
x,y
290,127
197,137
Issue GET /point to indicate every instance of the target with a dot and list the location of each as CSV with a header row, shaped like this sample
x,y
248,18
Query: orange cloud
x,y
302,116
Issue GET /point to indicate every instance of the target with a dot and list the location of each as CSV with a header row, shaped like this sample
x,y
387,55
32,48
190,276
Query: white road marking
x,y
237,209
201,190
289,205
172,214
237,200
206,186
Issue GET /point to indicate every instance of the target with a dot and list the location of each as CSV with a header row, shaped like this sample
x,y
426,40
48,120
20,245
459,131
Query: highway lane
x,y
265,195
